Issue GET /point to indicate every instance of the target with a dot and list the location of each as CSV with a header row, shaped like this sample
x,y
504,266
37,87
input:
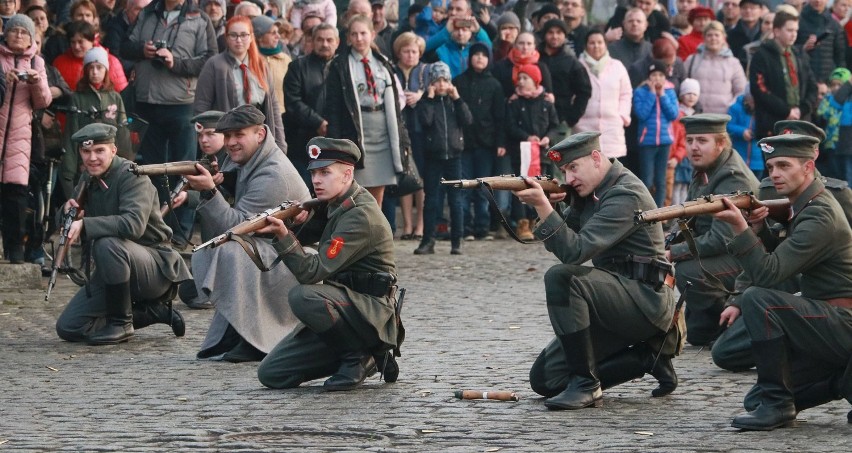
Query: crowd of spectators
x,y
455,88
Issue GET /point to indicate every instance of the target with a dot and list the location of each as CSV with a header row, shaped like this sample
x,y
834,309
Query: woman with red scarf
x,y
523,53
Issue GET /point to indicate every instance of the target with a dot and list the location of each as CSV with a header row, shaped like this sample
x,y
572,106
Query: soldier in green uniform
x,y
136,271
351,317
783,326
732,350
607,312
717,170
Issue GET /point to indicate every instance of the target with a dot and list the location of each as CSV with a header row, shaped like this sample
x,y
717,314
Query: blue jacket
x,y
455,56
424,26
741,121
655,114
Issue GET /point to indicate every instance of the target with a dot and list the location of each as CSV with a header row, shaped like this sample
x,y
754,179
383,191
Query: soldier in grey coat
x,y
783,326
709,268
351,317
252,313
608,311
136,271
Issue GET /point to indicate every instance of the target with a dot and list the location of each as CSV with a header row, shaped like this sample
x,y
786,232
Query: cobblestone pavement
x,y
474,322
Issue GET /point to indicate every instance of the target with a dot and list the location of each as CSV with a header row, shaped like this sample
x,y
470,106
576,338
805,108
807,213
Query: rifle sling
x,y
710,279
489,195
249,244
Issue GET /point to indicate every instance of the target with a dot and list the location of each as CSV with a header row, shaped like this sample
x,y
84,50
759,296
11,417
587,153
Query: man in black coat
x,y
822,38
303,88
780,78
571,85
747,29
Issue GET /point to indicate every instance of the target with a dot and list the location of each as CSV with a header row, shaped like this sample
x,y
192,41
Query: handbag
x,y
408,181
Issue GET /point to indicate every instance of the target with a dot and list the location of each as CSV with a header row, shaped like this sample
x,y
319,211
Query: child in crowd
x,y
836,110
443,115
325,8
689,88
741,130
483,139
655,105
529,118
94,101
690,93
431,19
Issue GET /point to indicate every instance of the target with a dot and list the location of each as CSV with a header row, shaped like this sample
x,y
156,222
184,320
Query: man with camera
x,y
170,43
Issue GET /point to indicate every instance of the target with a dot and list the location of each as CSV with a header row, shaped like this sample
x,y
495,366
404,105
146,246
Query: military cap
x,y
240,118
706,123
574,147
325,151
206,120
788,145
798,127
94,134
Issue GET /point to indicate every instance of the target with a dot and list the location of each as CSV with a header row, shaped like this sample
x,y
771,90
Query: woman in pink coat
x,y
608,111
717,70
26,90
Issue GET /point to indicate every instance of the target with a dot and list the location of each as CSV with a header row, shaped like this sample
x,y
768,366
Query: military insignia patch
x,y
553,155
314,151
334,248
787,131
199,127
87,144
767,148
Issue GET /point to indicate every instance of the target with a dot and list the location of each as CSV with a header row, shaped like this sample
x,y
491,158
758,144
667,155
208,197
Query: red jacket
x,y
678,149
688,44
71,69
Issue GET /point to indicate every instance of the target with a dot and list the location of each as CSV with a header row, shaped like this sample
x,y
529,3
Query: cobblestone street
x,y
475,321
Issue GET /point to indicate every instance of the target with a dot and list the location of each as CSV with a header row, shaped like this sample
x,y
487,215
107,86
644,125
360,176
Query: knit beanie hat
x,y
841,74
690,86
531,70
262,25
476,48
508,19
20,20
96,55
439,70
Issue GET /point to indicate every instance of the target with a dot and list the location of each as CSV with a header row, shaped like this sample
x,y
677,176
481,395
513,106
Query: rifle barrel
x,y
186,167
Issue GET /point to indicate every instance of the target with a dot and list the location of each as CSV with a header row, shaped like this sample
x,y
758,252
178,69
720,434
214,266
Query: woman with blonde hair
x,y
239,76
719,73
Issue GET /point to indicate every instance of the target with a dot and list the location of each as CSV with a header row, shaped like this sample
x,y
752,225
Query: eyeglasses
x,y
235,36
17,30
731,4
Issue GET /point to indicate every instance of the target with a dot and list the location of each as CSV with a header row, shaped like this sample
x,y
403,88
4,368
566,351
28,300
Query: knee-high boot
x,y
159,311
633,363
584,388
777,407
119,317
356,362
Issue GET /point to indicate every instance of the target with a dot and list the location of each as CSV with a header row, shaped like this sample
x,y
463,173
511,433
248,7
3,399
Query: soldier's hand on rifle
x,y
301,217
202,181
535,197
729,315
276,227
74,231
71,203
179,199
756,216
733,216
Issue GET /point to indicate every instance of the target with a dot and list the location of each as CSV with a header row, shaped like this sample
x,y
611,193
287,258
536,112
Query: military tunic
x,y
819,247
619,310
129,242
355,238
254,303
705,300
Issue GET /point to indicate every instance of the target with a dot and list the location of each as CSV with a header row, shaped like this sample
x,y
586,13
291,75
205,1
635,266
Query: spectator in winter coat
x,y
720,74
655,104
741,130
608,109
455,52
571,86
822,39
699,18
18,55
444,115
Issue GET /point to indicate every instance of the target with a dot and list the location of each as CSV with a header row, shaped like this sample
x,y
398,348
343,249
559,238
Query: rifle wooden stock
x,y
184,167
712,204
507,182
68,218
283,211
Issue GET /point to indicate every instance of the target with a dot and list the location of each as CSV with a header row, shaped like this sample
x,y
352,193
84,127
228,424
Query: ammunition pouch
x,y
376,284
652,271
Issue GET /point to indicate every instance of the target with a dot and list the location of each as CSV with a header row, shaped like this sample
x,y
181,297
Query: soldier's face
x,y
582,174
788,174
210,141
243,143
703,150
332,181
97,158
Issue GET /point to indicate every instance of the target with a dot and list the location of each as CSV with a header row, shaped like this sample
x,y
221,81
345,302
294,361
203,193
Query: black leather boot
x,y
633,363
664,372
386,364
584,388
159,311
777,407
426,247
119,317
355,362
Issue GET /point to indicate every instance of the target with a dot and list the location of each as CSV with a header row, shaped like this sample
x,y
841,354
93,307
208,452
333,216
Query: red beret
x,y
531,70
700,11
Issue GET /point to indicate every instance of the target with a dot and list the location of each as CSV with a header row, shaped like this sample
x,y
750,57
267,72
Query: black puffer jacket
x,y
830,50
530,116
484,98
443,121
571,85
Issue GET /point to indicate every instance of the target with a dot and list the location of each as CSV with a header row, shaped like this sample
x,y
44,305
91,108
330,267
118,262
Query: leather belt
x,y
842,302
378,108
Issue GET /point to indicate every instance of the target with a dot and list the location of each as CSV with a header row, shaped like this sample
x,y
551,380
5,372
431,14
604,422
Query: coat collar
x,y
346,201
612,175
805,198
